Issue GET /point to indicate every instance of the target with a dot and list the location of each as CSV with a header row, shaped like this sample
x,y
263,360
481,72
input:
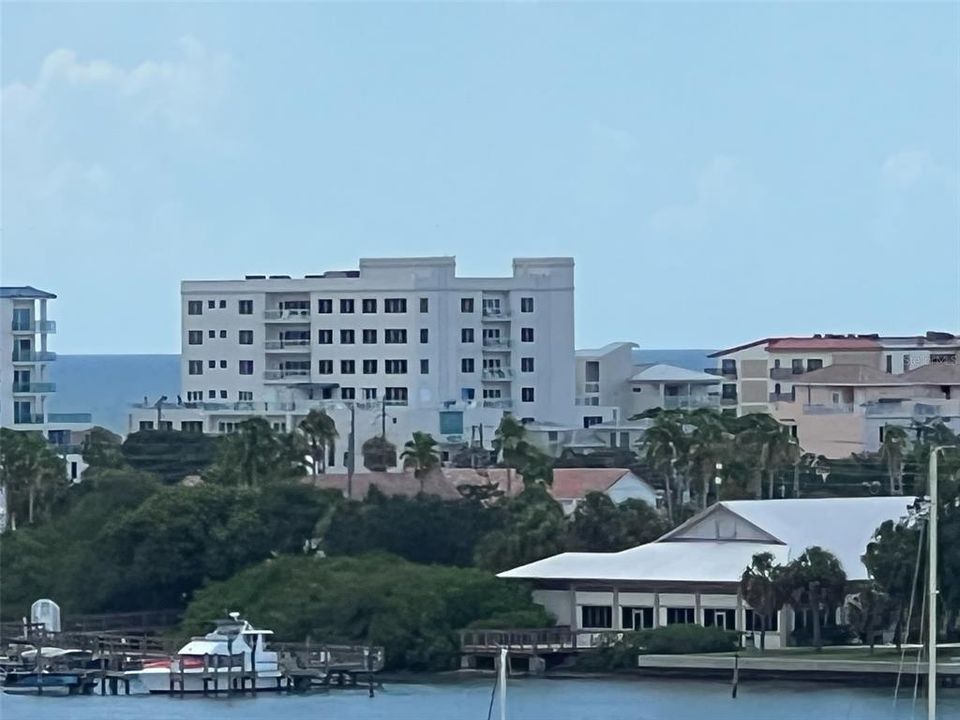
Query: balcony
x,y
591,387
34,388
835,409
28,420
79,418
296,345
588,400
690,402
728,373
782,373
286,375
782,397
301,316
496,344
502,404
33,356
496,314
498,374
729,401
34,326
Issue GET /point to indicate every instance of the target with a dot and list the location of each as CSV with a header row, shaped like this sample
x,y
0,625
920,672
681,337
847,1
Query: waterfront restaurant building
x,y
692,574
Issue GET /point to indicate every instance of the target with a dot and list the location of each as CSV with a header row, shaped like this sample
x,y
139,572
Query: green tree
x,y
378,454
707,447
771,444
534,527
814,581
102,449
32,475
421,454
256,454
759,589
892,558
665,447
320,431
600,525
870,612
171,455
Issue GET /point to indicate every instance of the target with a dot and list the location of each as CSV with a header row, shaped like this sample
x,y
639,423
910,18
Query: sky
x,y
720,172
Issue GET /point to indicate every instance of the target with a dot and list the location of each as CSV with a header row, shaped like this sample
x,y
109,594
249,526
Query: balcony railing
x,y
295,345
34,326
496,344
33,356
28,419
287,315
588,400
34,388
494,314
683,402
591,387
730,373
783,373
498,374
782,397
70,418
834,409
501,403
728,401
296,375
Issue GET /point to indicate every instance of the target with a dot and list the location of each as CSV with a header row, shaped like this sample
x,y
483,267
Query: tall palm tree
x,y
772,445
664,447
758,587
707,447
509,443
892,451
420,453
30,473
255,446
321,432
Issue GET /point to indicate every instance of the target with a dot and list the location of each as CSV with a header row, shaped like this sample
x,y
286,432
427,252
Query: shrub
x,y
680,639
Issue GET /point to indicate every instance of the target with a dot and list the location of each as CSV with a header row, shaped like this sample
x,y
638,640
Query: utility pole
x,y
351,452
932,587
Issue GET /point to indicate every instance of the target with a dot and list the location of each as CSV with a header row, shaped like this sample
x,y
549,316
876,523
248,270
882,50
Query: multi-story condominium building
x,y
25,358
758,375
401,342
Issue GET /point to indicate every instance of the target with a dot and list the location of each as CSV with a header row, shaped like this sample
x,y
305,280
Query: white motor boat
x,y
232,654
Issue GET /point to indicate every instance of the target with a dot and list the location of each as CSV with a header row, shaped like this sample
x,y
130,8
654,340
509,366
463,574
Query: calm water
x,y
529,699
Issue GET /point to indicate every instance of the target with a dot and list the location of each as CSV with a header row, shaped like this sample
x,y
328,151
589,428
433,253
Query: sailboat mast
x,y
932,587
504,666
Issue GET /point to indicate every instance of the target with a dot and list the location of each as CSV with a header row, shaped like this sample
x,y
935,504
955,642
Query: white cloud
x,y
907,169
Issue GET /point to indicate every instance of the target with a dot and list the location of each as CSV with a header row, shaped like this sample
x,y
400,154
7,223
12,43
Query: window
x,y
395,367
591,420
369,393
680,616
146,425
526,304
526,364
195,367
347,337
728,391
325,337
212,334
393,336
369,367
491,306
396,394
223,364
325,367
637,618
424,305
526,334
424,367
212,394
814,365
796,366
369,305
211,304
369,337
754,621
890,363
526,394
348,367
324,306
467,393
466,335
424,335
491,394
348,393
245,306
721,618
223,394
466,305
906,363
212,364
195,337
223,334
245,395
467,365
246,367
395,305
836,398
728,368
246,337
223,304
596,616
194,307
195,426
346,306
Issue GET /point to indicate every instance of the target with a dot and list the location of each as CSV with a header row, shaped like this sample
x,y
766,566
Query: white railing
x,y
496,343
285,374
591,387
834,409
681,402
295,315
293,344
498,374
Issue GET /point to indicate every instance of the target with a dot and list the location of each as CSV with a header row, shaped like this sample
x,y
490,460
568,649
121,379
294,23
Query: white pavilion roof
x,y
661,373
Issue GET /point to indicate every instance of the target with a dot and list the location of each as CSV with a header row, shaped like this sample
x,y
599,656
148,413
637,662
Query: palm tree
x,y
773,446
815,579
30,473
664,446
892,451
758,587
321,432
250,454
707,448
509,443
420,453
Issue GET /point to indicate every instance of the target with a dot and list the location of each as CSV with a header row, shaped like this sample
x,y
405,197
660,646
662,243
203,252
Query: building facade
x,y
403,344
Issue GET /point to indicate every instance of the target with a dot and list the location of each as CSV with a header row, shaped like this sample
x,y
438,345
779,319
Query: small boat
x,y
233,656
47,682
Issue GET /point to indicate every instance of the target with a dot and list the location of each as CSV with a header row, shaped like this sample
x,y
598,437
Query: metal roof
x,y
661,373
26,292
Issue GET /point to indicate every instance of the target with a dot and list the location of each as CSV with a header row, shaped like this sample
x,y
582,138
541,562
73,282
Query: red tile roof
x,y
575,483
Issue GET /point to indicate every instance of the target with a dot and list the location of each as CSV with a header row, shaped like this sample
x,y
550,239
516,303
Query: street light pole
x,y
351,451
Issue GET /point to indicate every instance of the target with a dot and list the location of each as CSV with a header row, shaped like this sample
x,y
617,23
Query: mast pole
x,y
932,587
504,665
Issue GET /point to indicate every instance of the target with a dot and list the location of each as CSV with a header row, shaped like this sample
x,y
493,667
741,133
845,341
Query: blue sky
x,y
720,172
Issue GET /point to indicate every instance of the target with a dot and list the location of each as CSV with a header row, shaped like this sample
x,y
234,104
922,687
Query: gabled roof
x,y
662,373
575,483
26,292
737,348
934,374
842,526
842,374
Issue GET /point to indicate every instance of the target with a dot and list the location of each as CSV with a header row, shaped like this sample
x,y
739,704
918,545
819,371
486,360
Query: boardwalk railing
x,y
114,623
534,641
336,658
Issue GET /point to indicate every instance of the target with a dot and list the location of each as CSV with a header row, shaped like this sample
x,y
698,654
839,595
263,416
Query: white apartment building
x,y
26,390
405,338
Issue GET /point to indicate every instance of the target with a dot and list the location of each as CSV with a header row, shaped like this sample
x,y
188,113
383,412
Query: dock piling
x,y
736,675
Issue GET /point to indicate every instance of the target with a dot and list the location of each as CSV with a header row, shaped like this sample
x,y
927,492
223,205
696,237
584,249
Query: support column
x,y
698,609
617,615
656,610
573,608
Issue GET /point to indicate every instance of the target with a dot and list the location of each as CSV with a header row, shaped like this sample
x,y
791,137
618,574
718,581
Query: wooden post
x,y
206,672
103,667
253,669
183,684
736,674
366,665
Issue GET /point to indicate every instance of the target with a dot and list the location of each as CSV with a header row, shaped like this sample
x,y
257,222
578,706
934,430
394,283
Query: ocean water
x,y
527,699
106,385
